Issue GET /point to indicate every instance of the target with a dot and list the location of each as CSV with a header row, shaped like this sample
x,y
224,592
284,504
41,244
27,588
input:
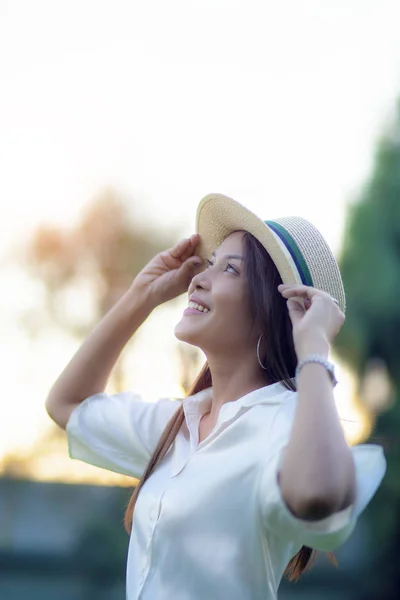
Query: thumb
x,y
189,267
192,263
296,310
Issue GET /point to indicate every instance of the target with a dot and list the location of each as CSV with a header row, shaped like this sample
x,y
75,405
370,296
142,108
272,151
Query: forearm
x,y
89,369
318,473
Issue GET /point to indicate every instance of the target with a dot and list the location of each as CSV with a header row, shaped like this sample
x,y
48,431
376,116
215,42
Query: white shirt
x,y
210,522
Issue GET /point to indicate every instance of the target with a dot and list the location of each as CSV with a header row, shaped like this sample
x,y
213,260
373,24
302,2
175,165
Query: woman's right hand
x,y
169,273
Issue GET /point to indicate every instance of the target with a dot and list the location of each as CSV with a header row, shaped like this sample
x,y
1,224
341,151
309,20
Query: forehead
x,y
232,244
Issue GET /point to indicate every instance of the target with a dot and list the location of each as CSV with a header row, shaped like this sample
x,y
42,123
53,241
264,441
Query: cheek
x,y
233,311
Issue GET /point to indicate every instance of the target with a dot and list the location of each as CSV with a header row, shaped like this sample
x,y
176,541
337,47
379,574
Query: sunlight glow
x,y
133,96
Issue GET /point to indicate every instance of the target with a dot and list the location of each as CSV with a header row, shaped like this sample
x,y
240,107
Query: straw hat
x,y
297,248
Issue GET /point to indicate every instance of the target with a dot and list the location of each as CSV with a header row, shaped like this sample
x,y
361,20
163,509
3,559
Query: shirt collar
x,y
200,403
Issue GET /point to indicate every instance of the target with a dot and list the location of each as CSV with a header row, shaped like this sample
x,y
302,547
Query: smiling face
x,y
222,288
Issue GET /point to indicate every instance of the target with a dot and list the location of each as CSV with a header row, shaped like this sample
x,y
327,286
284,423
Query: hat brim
x,y
218,216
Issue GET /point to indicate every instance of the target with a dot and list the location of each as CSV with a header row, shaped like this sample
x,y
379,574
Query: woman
x,y
243,478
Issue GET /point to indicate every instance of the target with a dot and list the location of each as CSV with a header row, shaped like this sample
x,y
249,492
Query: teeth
x,y
198,307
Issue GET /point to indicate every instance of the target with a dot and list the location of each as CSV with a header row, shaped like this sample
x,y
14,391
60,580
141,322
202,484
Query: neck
x,y
233,379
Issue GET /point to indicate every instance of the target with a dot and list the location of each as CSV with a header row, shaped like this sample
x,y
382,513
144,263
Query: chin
x,y
183,334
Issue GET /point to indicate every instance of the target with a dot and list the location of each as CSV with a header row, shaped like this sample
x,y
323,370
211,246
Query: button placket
x,y
146,564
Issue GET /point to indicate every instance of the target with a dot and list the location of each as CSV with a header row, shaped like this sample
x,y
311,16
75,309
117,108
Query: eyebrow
x,y
230,256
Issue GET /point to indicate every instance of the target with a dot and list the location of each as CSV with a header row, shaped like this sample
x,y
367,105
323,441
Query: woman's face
x,y
222,288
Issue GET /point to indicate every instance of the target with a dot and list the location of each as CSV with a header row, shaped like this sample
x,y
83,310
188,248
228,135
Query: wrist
x,y
138,302
312,344
317,358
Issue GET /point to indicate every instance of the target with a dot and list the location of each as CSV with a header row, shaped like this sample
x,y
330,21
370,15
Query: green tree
x,y
370,264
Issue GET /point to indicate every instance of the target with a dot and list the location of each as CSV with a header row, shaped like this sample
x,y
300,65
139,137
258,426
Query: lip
x,y
193,311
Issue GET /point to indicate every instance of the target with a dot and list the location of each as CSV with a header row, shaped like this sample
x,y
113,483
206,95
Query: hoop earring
x,y
258,353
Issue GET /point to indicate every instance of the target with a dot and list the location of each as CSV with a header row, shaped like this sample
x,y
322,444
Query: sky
x,y
277,104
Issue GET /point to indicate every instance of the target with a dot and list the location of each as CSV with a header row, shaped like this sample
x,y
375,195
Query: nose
x,y
199,281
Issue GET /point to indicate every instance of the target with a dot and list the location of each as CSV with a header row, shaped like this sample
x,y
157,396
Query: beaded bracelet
x,y
317,358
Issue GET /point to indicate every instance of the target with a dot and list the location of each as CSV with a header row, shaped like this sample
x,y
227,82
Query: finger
x,y
302,291
294,290
295,305
296,310
193,243
193,261
185,247
181,247
189,269
309,294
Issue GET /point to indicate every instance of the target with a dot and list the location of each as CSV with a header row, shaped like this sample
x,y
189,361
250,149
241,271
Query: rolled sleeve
x,y
329,533
118,432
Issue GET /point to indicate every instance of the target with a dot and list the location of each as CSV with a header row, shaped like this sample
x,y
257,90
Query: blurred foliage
x,y
370,265
107,248
60,541
86,269
83,271
101,545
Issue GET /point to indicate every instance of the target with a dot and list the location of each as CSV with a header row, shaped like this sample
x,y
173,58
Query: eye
x,y
229,266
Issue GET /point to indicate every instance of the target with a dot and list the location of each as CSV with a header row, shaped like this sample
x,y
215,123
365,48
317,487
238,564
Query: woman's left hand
x,y
319,319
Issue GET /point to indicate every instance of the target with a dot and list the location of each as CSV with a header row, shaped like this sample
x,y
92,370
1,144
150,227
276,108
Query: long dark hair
x,y
270,316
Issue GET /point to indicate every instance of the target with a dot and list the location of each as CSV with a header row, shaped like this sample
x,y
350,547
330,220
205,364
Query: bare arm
x,y
89,369
318,473
166,276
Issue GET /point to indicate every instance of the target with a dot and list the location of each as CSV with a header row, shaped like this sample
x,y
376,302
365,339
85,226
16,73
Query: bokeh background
x,y
116,118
